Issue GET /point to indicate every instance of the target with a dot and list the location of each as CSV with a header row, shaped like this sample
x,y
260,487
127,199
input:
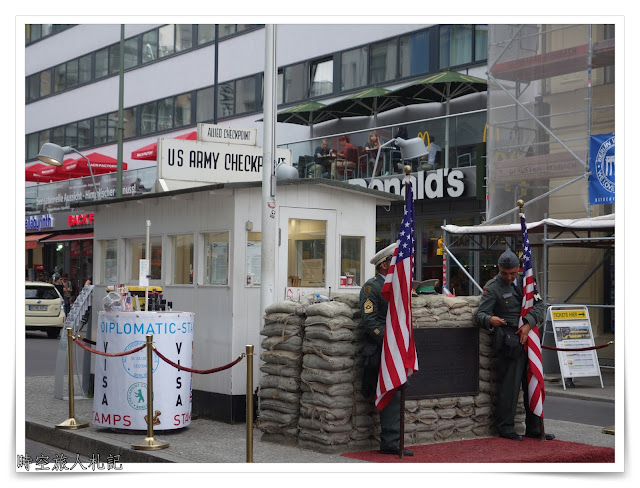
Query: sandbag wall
x,y
310,393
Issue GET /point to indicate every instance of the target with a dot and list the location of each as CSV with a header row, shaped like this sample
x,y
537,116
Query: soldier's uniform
x,y
373,307
503,300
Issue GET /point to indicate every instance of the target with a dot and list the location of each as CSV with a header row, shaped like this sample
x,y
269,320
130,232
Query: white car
x,y
44,308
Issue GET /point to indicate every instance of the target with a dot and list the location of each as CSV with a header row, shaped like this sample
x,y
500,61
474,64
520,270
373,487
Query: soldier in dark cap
x,y
498,312
373,307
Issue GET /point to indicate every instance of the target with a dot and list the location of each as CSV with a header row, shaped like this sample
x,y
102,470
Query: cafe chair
x,y
346,167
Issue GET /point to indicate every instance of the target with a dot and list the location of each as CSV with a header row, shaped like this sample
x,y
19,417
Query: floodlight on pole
x,y
53,154
409,149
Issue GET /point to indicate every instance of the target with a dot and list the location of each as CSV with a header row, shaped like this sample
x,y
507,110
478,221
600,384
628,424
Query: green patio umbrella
x,y
307,113
442,88
370,101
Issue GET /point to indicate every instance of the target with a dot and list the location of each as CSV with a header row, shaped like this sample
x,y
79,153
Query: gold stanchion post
x,y
71,422
249,403
150,444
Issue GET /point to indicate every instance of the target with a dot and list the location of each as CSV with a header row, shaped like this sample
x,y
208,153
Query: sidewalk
x,y
207,441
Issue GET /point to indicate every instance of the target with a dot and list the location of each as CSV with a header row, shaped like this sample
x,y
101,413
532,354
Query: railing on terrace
x,y
466,145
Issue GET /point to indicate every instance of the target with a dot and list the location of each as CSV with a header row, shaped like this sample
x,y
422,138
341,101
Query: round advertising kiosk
x,y
120,392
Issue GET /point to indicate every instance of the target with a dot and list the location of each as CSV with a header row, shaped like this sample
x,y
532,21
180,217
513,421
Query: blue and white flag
x,y
602,156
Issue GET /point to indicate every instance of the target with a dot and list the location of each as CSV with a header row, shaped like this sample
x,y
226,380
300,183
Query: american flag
x,y
535,381
399,359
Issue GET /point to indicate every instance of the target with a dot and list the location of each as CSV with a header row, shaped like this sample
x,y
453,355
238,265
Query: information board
x,y
572,330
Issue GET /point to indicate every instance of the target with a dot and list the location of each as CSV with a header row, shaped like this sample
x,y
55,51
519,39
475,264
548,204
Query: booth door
x,y
308,252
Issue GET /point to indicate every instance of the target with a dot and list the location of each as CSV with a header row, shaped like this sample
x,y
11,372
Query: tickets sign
x,y
212,162
120,392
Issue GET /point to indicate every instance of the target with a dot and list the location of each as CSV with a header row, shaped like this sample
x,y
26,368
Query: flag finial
x,y
520,203
407,169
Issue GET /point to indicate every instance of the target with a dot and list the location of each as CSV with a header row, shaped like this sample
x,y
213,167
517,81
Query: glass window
x,y
34,87
84,133
36,32
307,256
32,146
100,129
129,116
482,42
280,87
58,136
204,104
46,29
149,46
243,27
354,68
182,110
383,61
254,258
351,260
114,58
246,95
183,259
59,76
414,54
112,126
226,29
102,63
110,262
184,37
45,83
431,261
455,45
206,33
148,113
321,78
71,135
216,253
295,83
138,250
84,69
44,136
165,113
72,73
130,53
226,99
166,37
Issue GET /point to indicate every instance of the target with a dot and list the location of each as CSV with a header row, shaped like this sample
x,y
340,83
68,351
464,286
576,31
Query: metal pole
x,y
268,251
146,255
215,78
249,403
120,115
150,443
71,422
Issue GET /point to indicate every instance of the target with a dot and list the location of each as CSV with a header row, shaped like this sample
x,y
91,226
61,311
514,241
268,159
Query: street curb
x,y
82,443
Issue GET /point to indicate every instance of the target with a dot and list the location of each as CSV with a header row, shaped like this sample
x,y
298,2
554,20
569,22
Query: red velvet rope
x,y
112,355
590,348
198,371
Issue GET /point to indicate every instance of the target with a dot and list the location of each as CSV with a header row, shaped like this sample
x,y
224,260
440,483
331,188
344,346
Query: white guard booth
x,y
205,253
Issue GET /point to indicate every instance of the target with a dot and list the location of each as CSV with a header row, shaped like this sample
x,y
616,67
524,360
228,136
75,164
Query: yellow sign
x,y
568,314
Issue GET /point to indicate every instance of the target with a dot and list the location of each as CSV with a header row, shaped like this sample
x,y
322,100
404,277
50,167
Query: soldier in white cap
x,y
373,307
499,311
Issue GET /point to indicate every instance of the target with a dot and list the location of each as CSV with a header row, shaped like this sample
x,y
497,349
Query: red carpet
x,y
496,450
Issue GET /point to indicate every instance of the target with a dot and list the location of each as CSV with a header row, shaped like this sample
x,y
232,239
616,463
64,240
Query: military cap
x,y
382,255
508,260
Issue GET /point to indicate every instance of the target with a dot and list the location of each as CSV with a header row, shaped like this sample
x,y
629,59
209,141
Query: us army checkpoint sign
x,y
120,392
211,162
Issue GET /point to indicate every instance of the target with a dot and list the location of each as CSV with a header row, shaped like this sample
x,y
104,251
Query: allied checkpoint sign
x,y
572,330
120,391
213,162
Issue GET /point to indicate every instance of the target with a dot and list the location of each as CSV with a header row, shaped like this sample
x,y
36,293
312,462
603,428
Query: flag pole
x,y
543,436
407,172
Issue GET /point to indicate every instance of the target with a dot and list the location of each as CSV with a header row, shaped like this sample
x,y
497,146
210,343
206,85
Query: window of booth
x,y
254,258
110,262
307,253
216,254
351,251
183,259
137,252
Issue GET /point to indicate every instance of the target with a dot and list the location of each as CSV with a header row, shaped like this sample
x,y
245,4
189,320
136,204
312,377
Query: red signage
x,y
81,219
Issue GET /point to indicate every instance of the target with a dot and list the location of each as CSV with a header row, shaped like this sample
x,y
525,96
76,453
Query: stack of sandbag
x,y
279,387
333,416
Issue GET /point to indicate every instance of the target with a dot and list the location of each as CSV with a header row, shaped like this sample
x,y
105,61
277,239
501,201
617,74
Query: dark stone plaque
x,y
448,362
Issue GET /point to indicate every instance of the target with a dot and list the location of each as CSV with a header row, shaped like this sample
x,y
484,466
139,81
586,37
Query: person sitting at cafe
x,y
319,157
371,146
341,162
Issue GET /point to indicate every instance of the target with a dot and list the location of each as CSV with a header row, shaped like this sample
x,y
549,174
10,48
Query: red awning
x,y
100,164
31,240
150,151
44,173
71,237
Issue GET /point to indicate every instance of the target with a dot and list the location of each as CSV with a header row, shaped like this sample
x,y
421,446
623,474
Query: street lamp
x,y
409,149
53,154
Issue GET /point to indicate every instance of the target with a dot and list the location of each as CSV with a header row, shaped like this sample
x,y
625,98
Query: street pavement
x,y
208,441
